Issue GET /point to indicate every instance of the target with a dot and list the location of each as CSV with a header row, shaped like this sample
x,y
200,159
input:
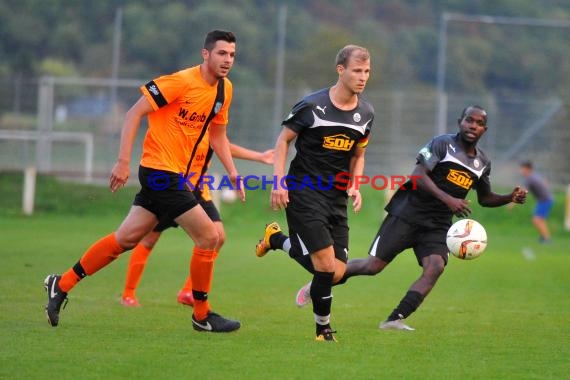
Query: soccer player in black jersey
x,y
446,168
330,128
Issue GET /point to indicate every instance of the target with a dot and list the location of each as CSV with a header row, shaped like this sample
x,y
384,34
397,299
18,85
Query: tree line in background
x,y
75,38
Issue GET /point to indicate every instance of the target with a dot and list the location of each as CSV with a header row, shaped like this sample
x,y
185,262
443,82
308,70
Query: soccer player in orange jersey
x,y
141,252
181,108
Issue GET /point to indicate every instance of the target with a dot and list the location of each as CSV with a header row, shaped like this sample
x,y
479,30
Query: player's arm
x,y
221,146
279,195
242,153
459,207
487,198
133,117
356,171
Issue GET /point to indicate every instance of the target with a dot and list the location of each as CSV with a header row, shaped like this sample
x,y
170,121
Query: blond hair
x,y
352,51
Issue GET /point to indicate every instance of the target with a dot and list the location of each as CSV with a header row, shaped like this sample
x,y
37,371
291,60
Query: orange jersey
x,y
199,167
182,102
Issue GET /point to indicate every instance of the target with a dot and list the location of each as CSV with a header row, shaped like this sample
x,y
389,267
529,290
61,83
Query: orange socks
x,y
96,257
201,272
137,262
188,284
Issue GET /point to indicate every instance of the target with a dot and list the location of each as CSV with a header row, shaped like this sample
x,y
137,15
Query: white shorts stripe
x,y
303,246
374,246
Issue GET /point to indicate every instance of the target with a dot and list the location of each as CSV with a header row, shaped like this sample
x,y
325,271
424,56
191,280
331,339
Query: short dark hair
x,y
475,106
344,54
526,164
218,35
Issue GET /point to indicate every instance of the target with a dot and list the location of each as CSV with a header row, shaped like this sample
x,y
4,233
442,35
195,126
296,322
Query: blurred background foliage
x,y
75,38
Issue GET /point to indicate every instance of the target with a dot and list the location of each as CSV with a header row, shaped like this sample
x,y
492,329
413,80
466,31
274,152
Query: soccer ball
x,y
229,195
466,239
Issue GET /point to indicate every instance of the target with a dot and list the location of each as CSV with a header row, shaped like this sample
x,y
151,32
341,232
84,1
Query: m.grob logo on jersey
x,y
183,113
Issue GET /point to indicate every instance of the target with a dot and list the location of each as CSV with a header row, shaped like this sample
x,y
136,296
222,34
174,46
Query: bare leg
x,y
135,269
433,267
368,266
185,294
541,226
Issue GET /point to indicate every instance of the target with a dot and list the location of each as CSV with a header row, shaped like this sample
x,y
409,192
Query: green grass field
x,y
505,315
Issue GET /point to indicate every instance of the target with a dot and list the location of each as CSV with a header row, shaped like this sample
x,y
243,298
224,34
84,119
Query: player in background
x,y
331,129
141,252
540,189
181,108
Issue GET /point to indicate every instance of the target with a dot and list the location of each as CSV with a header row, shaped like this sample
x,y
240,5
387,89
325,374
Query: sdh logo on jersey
x,y
460,178
338,142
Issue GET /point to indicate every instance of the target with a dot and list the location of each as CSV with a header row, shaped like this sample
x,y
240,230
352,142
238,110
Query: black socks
x,y
407,306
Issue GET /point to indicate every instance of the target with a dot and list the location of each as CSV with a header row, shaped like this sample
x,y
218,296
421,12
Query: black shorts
x,y
208,206
396,235
162,194
313,227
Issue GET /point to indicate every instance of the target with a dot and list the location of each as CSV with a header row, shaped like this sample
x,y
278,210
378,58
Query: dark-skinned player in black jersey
x,y
446,169
330,128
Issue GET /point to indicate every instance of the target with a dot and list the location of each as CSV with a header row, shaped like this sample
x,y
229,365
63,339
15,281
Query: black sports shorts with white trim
x,y
314,228
162,194
208,206
396,235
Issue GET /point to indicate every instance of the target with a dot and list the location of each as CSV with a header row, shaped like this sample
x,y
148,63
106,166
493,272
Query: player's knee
x,y
207,238
328,267
207,241
324,260
127,241
149,241
374,265
221,240
338,274
438,270
434,269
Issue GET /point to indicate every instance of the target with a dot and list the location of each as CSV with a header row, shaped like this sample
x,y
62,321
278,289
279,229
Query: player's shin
x,y
201,272
99,255
407,306
135,269
321,296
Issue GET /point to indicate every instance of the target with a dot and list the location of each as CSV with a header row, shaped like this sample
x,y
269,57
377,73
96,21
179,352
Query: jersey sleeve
x,y
363,142
165,89
432,153
300,117
485,180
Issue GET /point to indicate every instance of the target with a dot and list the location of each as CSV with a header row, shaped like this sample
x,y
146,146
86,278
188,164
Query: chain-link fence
x,y
71,127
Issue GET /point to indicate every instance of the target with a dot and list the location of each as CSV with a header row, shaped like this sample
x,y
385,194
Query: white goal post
x,y
567,213
81,137
29,188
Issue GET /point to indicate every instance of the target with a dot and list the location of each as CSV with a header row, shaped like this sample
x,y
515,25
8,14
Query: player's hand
x,y
519,195
119,175
356,197
459,207
279,198
237,182
267,157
